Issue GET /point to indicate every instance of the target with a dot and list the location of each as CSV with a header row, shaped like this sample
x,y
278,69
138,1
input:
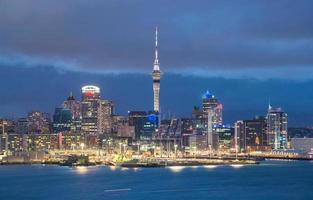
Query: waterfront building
x,y
89,109
277,123
4,142
197,142
41,142
238,131
302,144
225,134
62,120
252,134
156,76
17,142
70,141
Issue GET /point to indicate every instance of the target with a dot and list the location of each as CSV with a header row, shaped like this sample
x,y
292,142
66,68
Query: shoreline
x,y
161,163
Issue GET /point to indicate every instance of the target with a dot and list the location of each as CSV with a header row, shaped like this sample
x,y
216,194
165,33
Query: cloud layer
x,y
212,38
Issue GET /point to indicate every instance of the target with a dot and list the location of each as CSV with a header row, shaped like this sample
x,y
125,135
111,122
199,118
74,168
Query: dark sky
x,y
246,52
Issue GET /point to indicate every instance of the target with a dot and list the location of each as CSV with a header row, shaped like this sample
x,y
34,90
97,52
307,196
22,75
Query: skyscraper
x,y
156,76
277,121
89,109
212,115
210,103
105,116
75,107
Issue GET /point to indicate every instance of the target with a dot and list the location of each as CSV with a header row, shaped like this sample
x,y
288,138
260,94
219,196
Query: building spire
x,y
156,66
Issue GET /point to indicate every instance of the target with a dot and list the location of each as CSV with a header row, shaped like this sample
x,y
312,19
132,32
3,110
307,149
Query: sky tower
x,y
156,76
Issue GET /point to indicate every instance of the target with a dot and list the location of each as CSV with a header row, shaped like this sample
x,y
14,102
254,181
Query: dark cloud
x,y
117,36
42,88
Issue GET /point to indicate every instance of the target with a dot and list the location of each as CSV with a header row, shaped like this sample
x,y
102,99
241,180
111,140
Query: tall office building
x,y
212,112
252,134
277,121
145,124
89,109
75,107
156,76
105,117
210,103
62,120
4,138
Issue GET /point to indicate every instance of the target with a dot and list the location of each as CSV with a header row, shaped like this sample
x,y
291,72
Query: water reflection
x,y
210,166
176,169
81,169
236,166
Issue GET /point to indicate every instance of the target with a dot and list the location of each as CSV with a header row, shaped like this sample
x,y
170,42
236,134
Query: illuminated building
x,y
69,141
197,142
17,142
225,134
105,117
62,120
302,144
121,127
41,142
38,123
210,103
212,116
4,142
75,107
156,76
238,131
145,123
89,109
277,128
252,134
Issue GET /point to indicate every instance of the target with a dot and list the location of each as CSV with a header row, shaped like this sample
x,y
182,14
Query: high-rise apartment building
x,y
277,124
105,117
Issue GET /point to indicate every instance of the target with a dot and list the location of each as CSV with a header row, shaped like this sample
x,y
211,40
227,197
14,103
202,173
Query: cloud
x,y
225,38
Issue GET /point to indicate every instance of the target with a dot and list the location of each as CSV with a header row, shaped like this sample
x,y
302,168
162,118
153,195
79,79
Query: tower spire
x,y
156,60
156,76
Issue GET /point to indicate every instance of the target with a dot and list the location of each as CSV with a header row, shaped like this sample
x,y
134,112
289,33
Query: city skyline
x,y
200,49
210,99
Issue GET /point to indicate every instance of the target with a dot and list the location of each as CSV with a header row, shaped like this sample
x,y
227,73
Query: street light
x,y
120,147
175,146
82,145
124,148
